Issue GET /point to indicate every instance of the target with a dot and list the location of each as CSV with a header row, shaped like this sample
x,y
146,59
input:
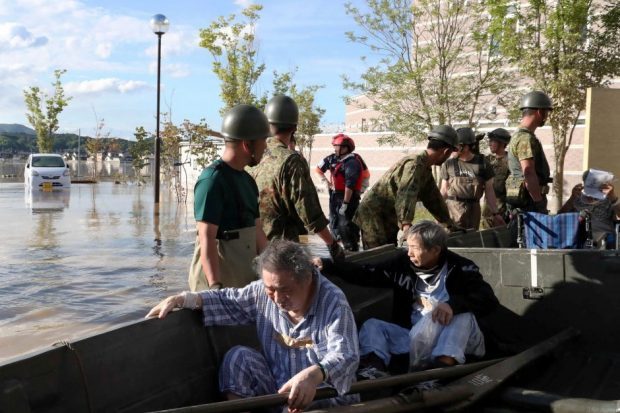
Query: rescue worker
x,y
230,233
464,179
498,140
288,203
526,187
348,173
389,206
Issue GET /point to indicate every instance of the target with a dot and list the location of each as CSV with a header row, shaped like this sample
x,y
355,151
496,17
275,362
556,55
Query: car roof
x,y
46,154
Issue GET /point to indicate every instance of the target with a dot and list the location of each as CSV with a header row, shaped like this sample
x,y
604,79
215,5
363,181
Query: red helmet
x,y
344,140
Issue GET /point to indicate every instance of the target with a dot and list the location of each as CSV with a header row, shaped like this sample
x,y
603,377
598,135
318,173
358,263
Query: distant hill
x,y
16,128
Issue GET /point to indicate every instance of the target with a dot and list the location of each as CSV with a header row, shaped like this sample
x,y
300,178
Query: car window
x,y
47,162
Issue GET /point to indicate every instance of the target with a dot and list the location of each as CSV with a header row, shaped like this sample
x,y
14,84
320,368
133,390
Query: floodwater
x,y
76,262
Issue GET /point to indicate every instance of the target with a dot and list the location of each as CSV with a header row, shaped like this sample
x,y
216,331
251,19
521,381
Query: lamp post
x,y
159,25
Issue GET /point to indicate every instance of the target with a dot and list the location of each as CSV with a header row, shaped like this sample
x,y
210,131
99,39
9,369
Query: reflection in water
x,y
39,201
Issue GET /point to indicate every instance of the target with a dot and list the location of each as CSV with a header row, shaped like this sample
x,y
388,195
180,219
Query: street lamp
x,y
159,25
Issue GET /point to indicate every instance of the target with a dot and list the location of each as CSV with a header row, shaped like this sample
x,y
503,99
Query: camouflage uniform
x,y
500,168
288,201
391,202
525,145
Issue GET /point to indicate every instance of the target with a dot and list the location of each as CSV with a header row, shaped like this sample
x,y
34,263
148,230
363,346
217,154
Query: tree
x,y
233,46
45,120
563,47
140,152
94,145
309,114
436,64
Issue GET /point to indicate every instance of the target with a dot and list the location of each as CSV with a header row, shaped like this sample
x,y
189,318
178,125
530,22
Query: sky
x,y
110,54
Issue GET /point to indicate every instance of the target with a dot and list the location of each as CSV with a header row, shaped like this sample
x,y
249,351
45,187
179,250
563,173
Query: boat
x,y
172,364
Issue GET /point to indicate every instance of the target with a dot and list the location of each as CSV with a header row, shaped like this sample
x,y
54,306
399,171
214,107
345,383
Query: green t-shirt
x,y
225,197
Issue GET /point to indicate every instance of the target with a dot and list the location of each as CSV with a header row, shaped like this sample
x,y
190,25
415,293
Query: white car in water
x,y
47,171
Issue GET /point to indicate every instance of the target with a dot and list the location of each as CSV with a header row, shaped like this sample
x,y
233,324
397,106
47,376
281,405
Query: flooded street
x,y
77,262
74,263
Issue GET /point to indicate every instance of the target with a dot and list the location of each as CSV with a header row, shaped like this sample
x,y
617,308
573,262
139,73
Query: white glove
x,y
343,208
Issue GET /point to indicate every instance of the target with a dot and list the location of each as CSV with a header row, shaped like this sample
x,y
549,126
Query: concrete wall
x,y
602,132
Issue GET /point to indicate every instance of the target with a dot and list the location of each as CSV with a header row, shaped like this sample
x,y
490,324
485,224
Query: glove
x,y
336,251
343,208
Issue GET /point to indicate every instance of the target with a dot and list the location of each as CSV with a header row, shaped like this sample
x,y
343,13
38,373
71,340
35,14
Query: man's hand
x,y
442,314
164,307
336,251
302,388
343,208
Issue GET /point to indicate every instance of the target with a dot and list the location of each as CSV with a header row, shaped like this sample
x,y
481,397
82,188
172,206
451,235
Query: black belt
x,y
459,199
228,235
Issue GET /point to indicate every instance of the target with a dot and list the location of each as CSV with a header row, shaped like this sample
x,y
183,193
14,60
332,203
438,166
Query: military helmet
x,y
466,136
344,140
445,134
282,110
500,134
536,100
245,122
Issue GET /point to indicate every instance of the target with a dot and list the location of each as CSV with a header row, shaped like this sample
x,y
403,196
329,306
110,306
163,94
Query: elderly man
x,y
304,323
444,292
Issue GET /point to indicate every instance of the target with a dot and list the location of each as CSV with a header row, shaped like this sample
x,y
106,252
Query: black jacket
x,y
468,291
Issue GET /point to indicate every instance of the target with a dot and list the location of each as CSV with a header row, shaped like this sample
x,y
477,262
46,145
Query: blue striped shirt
x,y
327,332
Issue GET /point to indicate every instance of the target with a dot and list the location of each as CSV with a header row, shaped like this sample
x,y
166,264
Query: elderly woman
x,y
600,201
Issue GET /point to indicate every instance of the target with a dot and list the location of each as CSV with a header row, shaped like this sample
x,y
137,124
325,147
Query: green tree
x,y
140,152
309,113
44,120
232,44
437,64
563,47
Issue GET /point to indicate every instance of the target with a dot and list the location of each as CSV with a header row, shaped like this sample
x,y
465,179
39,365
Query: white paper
x,y
595,179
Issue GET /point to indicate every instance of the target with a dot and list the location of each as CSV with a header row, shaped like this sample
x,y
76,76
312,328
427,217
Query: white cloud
x,y
244,3
17,36
105,85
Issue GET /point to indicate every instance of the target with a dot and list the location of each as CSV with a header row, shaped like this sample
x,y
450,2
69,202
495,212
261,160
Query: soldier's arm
x,y
531,180
301,193
407,194
434,202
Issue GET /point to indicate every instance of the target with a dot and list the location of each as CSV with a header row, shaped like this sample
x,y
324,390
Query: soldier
x,y
464,180
498,140
230,233
288,202
390,204
526,187
348,173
